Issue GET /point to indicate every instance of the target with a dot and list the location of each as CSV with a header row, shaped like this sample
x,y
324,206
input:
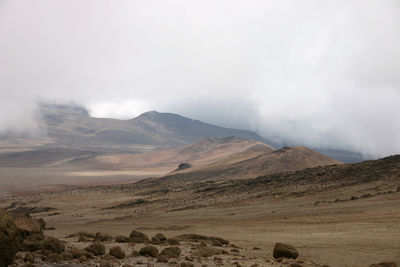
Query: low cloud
x,y
314,73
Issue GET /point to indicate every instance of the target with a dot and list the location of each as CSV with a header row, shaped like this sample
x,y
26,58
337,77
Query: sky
x,y
324,74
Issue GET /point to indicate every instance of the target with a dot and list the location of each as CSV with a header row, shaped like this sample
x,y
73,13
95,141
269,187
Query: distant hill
x,y
69,127
201,153
257,161
72,127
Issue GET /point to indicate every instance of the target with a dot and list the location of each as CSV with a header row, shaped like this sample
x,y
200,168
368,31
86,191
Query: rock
x,y
66,256
29,257
102,237
33,242
172,241
54,245
9,239
82,259
117,252
96,248
162,258
155,240
53,258
77,253
172,252
282,250
82,238
42,224
138,237
203,251
186,264
121,239
149,251
384,264
161,237
27,226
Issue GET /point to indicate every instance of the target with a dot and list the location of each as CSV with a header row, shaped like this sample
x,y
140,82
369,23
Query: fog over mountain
x,y
315,73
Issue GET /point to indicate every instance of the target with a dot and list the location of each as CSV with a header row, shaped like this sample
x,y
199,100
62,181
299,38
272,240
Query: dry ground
x,y
340,232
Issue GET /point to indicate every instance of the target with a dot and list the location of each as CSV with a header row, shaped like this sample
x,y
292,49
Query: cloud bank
x,y
319,73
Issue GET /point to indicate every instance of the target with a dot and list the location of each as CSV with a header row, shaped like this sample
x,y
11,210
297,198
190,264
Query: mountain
x,y
72,127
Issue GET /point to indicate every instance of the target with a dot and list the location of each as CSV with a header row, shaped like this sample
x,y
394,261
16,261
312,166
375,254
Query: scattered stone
x,y
54,245
135,253
29,257
53,258
102,237
149,251
155,240
121,239
138,237
186,264
77,253
162,258
82,259
173,242
172,252
384,264
117,252
42,224
203,251
67,256
8,239
282,250
256,248
33,242
82,238
96,248
234,250
161,237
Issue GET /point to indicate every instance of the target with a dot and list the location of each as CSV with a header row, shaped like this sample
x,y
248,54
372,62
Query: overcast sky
x,y
318,73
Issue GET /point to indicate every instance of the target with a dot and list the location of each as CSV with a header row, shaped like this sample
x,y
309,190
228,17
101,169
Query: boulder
x,y
162,258
149,251
34,241
9,239
161,237
155,240
121,239
29,257
53,258
96,248
172,252
54,245
117,252
138,237
102,237
77,253
282,250
67,256
203,251
384,264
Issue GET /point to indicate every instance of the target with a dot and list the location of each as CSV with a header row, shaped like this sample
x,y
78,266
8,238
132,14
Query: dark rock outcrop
x,y
282,250
138,237
172,252
117,252
149,251
8,239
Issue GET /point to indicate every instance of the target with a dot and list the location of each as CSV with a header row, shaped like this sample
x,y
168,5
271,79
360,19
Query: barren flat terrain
x,y
344,215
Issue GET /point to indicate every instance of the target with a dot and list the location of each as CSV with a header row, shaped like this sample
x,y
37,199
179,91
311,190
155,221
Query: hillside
x,y
203,152
255,161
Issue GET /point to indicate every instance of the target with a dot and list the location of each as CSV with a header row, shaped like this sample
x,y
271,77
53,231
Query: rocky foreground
x,y
23,243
